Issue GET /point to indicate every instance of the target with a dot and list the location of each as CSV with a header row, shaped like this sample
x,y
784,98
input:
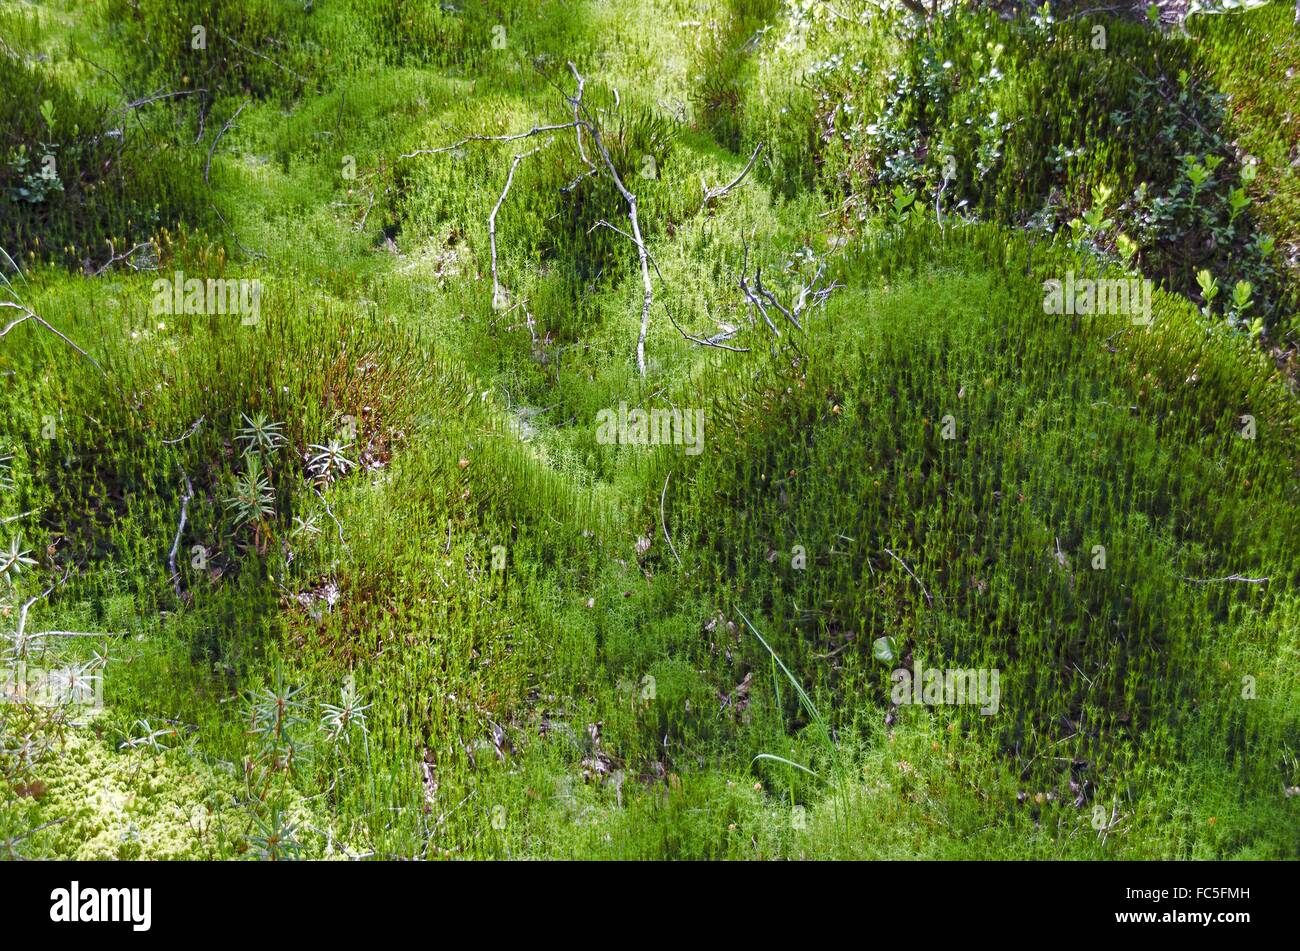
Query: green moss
x,y
543,679
110,805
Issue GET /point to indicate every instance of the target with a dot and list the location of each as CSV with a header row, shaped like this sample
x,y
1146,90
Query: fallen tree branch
x,y
226,36
756,302
1241,578
574,101
20,635
648,300
30,637
760,297
793,317
585,122
157,97
8,844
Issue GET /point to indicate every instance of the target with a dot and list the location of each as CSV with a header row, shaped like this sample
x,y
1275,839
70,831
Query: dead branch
x,y
207,166
1241,578
713,194
252,253
124,256
648,300
226,36
8,844
19,635
330,513
20,515
515,137
28,314
938,198
585,122
577,131
756,302
31,637
203,118
498,298
664,522
188,433
761,297
767,295
180,527
157,97
715,340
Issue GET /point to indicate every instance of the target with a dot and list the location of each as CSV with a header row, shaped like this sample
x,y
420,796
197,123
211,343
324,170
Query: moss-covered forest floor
x,y
544,429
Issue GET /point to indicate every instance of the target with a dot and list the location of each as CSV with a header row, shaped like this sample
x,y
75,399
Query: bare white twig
x,y
498,299
760,297
330,513
575,99
648,299
20,636
715,340
72,634
180,528
664,522
226,36
583,121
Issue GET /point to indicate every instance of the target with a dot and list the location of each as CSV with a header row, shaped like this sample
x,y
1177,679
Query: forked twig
x,y
498,300
715,340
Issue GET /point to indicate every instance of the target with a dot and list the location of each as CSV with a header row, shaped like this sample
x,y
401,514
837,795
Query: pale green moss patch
x,y
106,804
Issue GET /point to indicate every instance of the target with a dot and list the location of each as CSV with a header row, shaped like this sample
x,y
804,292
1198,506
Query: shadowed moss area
x,y
311,463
